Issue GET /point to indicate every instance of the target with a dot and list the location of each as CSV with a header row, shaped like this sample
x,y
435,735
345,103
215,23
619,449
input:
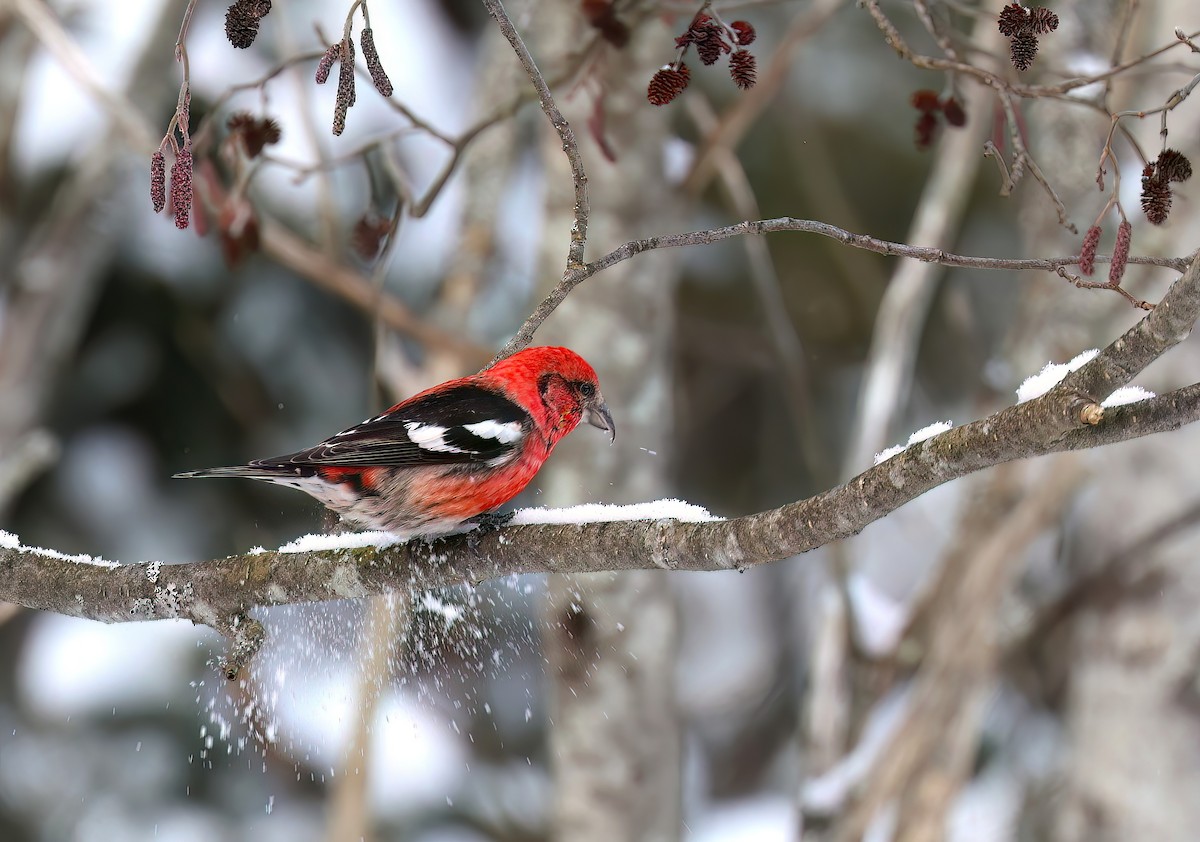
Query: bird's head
x,y
564,386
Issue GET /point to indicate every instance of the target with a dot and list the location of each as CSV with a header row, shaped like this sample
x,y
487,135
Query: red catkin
x,y
158,181
371,56
1087,254
326,63
181,187
1120,257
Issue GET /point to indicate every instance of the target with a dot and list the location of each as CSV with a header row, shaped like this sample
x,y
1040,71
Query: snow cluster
x,y
920,435
1053,373
10,541
340,541
1127,394
667,509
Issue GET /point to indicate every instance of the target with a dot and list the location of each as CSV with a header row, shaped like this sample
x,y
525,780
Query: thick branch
x,y
219,593
207,591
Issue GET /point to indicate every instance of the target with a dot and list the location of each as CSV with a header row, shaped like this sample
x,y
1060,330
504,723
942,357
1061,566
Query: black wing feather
x,y
384,441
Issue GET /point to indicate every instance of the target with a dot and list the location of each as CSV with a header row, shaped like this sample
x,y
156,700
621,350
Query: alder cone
x,y
667,84
743,68
1023,50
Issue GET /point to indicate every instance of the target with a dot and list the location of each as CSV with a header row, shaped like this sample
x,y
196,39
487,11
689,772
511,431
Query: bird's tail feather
x,y
247,471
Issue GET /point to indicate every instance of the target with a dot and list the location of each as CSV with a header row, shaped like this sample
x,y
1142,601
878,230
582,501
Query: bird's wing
x,y
462,424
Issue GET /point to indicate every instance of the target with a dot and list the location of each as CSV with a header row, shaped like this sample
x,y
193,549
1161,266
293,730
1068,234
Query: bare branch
x,y
770,226
570,147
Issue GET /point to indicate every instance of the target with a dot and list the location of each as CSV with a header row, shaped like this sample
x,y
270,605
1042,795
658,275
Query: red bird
x,y
432,463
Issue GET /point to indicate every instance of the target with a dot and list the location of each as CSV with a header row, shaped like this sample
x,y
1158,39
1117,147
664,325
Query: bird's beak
x,y
599,416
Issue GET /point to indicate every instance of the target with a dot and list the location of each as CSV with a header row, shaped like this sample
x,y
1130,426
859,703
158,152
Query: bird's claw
x,y
485,523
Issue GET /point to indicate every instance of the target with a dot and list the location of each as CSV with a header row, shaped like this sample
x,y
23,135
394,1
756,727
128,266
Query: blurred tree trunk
x,y
1129,663
610,640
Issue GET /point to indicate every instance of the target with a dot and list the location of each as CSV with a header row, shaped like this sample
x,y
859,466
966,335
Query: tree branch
x,y
574,277
219,593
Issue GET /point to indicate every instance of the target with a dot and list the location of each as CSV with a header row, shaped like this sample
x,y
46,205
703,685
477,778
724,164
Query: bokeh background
x,y
130,351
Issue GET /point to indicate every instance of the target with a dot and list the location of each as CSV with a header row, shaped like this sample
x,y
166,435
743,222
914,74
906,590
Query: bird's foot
x,y
485,523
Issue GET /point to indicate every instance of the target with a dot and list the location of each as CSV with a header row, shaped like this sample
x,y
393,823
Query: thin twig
x,y
768,226
1080,283
931,26
789,349
570,147
897,43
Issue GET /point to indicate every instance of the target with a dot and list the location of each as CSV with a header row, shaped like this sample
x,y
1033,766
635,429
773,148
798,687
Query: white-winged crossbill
x,y
433,463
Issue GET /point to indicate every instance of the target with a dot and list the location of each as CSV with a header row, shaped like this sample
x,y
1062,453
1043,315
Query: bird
x,y
444,459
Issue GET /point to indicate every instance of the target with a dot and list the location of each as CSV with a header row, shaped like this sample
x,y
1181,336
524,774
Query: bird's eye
x,y
587,391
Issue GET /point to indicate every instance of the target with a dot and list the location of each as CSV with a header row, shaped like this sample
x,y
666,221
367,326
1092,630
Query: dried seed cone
x,y
1173,165
1014,19
382,83
1156,196
241,24
743,68
709,50
667,84
1023,49
1120,257
1042,20
254,133
158,181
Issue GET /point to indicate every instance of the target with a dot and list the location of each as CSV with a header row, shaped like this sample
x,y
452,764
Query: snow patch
x,y
934,429
666,509
884,455
927,432
1128,394
342,541
9,541
1051,375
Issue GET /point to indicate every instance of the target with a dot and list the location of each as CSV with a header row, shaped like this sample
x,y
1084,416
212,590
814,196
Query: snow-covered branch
x,y
219,593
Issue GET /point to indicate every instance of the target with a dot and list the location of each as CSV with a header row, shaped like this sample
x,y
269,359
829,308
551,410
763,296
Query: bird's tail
x,y
258,471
